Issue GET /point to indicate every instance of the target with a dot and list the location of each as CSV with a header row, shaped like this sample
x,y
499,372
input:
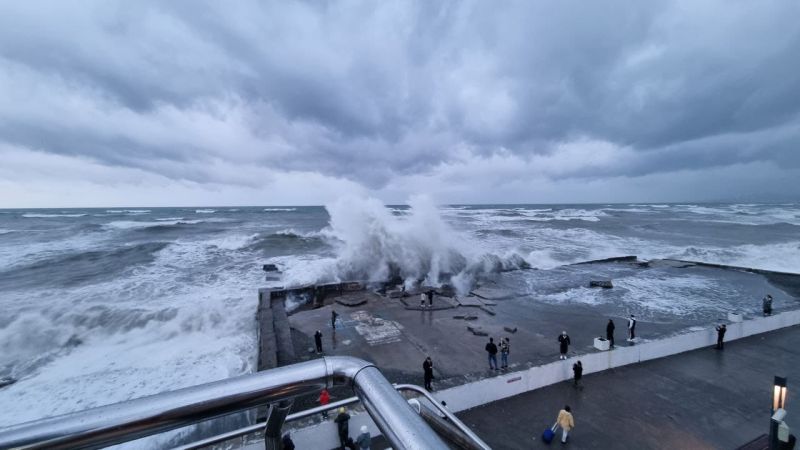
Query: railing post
x,y
275,418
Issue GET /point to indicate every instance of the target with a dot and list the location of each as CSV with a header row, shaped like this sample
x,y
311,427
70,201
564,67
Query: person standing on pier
x,y
610,332
505,349
422,297
631,328
334,315
324,399
563,341
343,426
577,371
766,305
318,340
721,329
430,298
491,349
427,368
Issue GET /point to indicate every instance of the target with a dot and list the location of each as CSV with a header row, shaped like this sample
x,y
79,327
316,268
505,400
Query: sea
x,y
102,305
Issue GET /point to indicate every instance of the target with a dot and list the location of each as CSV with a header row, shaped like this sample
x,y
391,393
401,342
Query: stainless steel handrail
x,y
126,421
332,406
255,428
450,416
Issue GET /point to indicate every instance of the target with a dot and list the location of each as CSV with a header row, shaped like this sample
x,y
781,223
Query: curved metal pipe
x,y
126,421
450,416
335,405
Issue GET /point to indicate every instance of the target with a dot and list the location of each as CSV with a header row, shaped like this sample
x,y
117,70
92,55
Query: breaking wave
x,y
373,244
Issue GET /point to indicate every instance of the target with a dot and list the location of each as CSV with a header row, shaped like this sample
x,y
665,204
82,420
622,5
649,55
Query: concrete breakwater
x,y
368,315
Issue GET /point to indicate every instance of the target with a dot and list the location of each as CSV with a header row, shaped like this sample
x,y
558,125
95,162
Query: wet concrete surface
x,y
542,305
704,399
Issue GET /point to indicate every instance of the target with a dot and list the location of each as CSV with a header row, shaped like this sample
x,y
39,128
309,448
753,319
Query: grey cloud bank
x,y
165,103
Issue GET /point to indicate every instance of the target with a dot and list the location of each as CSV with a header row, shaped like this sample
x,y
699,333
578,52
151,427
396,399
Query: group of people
x,y
423,296
342,421
318,334
564,341
504,349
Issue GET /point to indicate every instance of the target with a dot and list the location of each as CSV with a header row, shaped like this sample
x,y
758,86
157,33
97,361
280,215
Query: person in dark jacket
x,y
577,371
610,332
318,340
427,368
287,443
563,341
334,315
491,349
721,329
343,426
766,305
430,298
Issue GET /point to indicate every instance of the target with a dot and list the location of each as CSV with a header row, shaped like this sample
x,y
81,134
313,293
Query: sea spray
x,y
374,244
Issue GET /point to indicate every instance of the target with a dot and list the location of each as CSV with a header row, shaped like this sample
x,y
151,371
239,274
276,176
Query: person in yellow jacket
x,y
566,422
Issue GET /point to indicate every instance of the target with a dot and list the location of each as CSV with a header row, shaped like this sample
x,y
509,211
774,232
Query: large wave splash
x,y
373,244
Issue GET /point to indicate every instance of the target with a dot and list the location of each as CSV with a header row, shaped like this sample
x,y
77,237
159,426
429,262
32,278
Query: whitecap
x,y
38,215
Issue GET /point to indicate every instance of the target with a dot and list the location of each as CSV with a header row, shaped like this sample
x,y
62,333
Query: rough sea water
x,y
103,305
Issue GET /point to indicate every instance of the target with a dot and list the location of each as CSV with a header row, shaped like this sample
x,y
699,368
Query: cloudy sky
x,y
106,103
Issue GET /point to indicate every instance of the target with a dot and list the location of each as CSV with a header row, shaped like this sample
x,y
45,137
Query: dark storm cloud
x,y
373,91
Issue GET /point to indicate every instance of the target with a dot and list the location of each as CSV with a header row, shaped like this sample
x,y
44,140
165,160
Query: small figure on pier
x,y
427,368
324,399
577,371
491,349
563,341
505,349
334,315
421,299
430,298
610,332
766,305
318,340
632,328
721,329
343,426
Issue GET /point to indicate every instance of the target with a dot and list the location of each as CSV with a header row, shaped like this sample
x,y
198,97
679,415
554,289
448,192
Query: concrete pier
x,y
383,324
704,399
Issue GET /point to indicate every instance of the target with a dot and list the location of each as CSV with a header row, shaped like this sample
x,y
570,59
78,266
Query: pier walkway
x,y
703,399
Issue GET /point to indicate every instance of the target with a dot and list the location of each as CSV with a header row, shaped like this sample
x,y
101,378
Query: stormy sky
x,y
128,103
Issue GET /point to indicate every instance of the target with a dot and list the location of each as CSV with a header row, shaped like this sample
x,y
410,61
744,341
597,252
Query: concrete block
x,y
601,344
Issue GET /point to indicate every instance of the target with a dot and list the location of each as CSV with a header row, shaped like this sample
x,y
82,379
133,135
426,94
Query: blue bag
x,y
548,435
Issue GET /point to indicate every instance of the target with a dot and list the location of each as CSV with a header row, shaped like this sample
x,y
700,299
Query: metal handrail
x,y
450,416
332,406
133,419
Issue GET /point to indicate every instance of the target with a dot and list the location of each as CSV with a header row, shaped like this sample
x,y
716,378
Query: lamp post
x,y
778,394
778,411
